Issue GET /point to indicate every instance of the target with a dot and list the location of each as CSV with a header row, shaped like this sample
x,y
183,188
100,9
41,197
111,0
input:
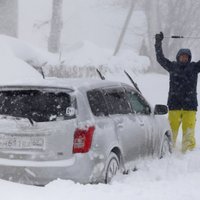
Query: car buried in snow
x,y
76,129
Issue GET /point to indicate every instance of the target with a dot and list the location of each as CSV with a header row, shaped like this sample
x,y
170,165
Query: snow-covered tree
x,y
9,17
56,27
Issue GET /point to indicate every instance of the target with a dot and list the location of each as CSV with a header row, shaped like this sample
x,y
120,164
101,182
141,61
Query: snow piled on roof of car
x,y
86,53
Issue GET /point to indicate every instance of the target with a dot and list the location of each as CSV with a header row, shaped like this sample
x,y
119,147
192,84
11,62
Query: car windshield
x,y
36,105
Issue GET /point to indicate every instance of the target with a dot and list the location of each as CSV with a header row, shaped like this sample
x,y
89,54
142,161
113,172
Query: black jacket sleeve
x,y
164,62
197,66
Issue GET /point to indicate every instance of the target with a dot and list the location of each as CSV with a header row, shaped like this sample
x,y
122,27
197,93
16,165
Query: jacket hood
x,y
184,51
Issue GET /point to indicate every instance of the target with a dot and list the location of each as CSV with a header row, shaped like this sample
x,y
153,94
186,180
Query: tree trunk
x,y
121,37
9,17
56,27
154,26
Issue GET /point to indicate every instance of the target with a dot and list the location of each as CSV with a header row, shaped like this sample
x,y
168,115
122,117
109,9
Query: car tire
x,y
112,166
166,148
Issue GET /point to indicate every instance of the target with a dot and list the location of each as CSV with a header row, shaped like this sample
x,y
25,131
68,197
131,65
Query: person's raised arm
x,y
197,66
164,62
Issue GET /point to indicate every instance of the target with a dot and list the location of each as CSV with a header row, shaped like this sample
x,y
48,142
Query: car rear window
x,y
37,105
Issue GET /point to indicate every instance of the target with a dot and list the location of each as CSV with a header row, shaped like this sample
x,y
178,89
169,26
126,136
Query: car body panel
x,y
49,141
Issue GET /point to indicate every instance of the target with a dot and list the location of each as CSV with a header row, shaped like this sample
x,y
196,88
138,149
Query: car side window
x,y
138,103
117,101
97,103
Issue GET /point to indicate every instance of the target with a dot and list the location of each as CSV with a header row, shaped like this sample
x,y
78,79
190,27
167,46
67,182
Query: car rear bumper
x,y
80,169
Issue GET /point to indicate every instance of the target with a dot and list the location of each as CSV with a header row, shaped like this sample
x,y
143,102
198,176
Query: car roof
x,y
70,84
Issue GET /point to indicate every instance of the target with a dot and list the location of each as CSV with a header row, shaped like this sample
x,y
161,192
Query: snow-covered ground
x,y
174,178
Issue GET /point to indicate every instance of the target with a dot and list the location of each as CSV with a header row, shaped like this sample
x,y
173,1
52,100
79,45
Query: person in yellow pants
x,y
188,120
182,98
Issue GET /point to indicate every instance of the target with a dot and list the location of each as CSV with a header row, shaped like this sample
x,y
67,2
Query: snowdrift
x,y
83,58
80,60
14,58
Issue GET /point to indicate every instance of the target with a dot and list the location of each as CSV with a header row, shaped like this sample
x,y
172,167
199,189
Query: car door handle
x,y
141,124
140,121
120,125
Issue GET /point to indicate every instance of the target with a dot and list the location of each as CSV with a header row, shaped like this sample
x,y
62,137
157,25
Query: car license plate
x,y
22,142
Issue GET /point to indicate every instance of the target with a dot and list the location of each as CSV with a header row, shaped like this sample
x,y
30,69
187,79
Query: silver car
x,y
82,130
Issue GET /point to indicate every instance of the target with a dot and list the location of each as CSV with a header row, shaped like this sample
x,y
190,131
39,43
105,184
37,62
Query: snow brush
x,y
181,37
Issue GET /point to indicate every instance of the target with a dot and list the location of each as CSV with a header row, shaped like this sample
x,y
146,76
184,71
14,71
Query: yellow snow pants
x,y
188,120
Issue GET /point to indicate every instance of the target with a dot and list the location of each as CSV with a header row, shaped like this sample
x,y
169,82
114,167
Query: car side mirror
x,y
160,110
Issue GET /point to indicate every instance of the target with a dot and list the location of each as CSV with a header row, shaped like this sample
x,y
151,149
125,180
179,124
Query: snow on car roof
x,y
71,83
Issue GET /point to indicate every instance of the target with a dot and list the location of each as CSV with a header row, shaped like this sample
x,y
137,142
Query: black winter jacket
x,y
183,80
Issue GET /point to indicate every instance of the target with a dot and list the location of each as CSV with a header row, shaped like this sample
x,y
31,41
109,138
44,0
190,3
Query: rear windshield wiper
x,y
24,117
30,120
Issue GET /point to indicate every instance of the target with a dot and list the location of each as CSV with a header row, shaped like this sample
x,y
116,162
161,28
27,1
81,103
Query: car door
x,y
127,128
104,139
141,112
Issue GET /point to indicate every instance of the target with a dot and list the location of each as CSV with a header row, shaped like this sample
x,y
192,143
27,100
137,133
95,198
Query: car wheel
x,y
166,148
112,166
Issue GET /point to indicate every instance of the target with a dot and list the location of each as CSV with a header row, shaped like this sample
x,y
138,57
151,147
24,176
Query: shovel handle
x,y
176,36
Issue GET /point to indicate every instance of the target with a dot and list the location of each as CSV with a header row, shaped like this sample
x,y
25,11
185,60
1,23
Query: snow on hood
x,y
86,53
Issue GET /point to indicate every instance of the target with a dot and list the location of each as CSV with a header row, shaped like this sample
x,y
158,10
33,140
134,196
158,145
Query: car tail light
x,y
83,140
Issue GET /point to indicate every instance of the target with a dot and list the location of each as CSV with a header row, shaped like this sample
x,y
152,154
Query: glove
x,y
159,37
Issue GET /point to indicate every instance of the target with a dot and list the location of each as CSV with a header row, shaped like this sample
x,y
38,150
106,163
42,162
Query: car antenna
x,y
100,74
30,120
134,83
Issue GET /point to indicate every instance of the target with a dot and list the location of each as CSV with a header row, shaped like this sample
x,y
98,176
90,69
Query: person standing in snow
x,y
182,98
